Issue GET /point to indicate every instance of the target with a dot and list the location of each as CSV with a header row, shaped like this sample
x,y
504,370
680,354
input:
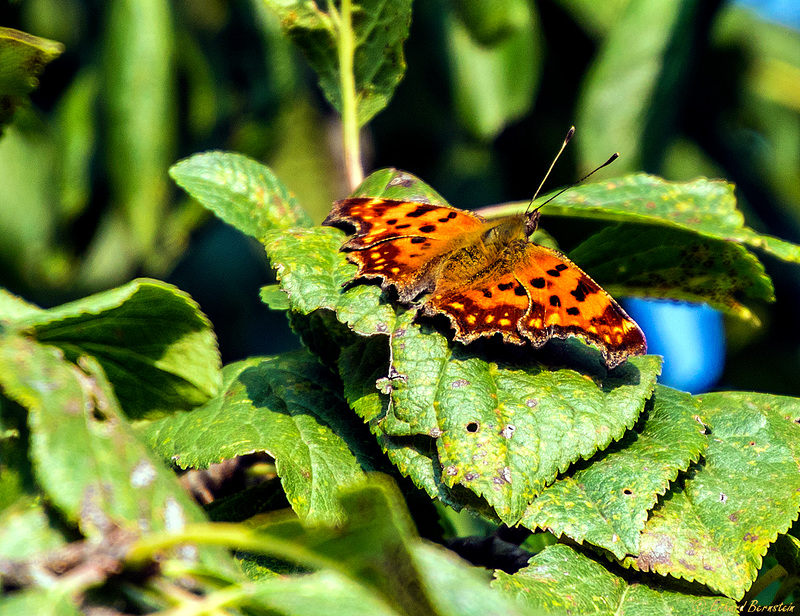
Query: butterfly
x,y
486,276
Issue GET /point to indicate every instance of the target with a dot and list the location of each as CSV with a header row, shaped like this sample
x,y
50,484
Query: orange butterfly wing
x,y
398,240
545,296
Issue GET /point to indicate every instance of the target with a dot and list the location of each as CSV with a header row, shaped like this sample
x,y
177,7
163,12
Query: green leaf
x,y
377,546
495,83
363,364
273,297
153,342
636,260
458,590
628,96
42,602
606,503
560,580
27,531
25,526
594,18
139,99
705,207
489,22
391,183
504,430
715,526
22,59
311,270
14,308
16,475
379,28
287,406
241,191
86,457
76,140
28,219
325,593
372,545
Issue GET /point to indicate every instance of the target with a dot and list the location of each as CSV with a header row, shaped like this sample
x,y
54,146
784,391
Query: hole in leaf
x,y
472,426
627,491
98,415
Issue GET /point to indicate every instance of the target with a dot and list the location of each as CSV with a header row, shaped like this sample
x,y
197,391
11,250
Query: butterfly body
x,y
487,277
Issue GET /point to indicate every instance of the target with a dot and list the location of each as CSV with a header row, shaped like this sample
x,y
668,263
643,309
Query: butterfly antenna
x,y
570,133
610,160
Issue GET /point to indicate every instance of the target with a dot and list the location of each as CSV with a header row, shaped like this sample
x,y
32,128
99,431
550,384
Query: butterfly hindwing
x,y
486,308
574,305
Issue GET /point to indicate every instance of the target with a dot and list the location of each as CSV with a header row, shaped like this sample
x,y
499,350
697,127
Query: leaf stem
x,y
232,536
347,83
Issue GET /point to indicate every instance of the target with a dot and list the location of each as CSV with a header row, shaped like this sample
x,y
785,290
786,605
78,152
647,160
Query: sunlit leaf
x,y
559,580
153,342
287,406
241,191
715,526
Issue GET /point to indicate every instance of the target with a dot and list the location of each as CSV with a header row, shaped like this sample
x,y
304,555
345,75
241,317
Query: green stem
x,y
347,83
232,536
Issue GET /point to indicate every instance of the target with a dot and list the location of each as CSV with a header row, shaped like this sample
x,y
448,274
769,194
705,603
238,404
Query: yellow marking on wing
x,y
504,322
457,305
489,318
394,270
471,319
554,319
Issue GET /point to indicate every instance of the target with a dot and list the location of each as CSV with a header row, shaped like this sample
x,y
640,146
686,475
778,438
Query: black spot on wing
x,y
428,228
574,311
419,211
505,286
554,273
561,267
555,300
520,290
582,290
417,240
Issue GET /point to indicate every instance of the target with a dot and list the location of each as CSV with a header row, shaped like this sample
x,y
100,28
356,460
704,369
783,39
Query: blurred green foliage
x,y
680,87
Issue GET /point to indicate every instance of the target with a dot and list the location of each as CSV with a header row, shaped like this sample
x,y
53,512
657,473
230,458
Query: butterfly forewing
x,y
399,240
380,220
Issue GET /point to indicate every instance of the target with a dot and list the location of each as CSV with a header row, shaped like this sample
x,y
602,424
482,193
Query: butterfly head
x,y
531,222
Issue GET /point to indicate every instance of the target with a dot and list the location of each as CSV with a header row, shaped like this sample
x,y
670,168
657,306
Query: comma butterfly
x,y
486,276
